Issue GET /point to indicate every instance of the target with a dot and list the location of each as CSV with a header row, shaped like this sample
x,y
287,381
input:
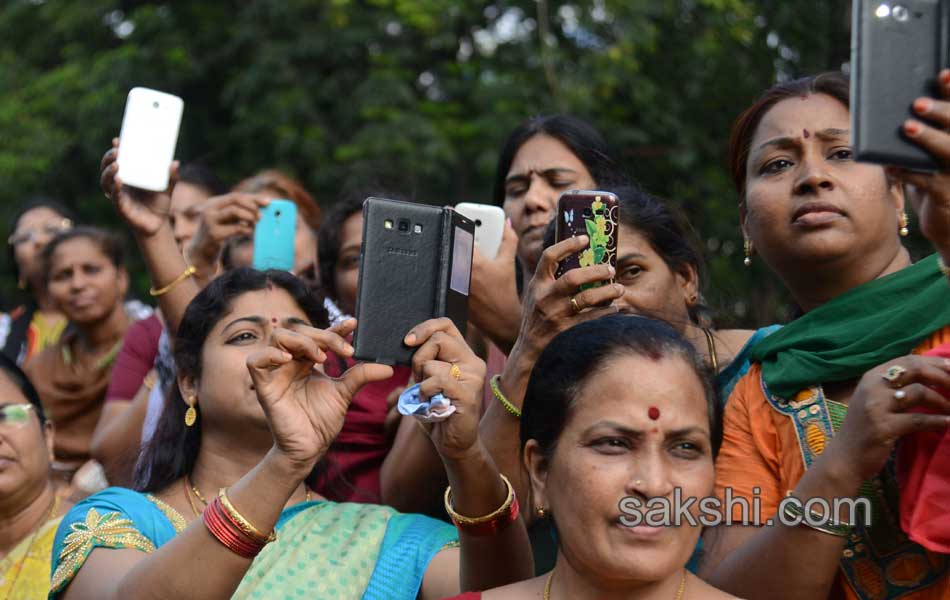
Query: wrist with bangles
x,y
489,524
232,529
816,521
189,271
497,393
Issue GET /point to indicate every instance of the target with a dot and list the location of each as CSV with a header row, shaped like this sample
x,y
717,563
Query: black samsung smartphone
x,y
415,265
897,49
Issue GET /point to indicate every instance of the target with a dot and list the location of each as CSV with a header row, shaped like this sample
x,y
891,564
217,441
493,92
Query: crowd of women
x,y
225,443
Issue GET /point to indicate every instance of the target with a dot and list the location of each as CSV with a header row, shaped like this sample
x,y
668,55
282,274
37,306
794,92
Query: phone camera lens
x,y
478,222
404,225
900,13
276,213
154,104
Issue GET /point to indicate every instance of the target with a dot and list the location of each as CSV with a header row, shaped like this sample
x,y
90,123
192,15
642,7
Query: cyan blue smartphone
x,y
274,236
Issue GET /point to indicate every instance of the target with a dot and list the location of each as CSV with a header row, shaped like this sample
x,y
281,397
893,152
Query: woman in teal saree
x,y
252,415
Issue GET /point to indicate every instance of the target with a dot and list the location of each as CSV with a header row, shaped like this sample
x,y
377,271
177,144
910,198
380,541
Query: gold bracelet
x,y
253,532
496,391
188,272
149,381
464,521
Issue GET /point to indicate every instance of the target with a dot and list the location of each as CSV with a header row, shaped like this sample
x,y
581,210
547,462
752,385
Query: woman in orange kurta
x,y
819,415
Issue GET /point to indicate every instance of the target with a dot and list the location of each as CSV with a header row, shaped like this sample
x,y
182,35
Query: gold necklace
x,y
679,590
191,501
196,491
712,350
36,532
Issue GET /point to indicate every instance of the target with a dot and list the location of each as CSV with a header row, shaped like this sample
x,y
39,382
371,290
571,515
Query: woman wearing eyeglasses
x,y
31,327
30,508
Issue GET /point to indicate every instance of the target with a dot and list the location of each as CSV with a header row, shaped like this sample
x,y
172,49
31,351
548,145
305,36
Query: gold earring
x,y
541,512
21,284
191,415
747,245
903,222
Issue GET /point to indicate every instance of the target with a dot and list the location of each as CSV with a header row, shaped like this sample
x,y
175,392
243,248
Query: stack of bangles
x,y
496,391
815,520
491,523
234,532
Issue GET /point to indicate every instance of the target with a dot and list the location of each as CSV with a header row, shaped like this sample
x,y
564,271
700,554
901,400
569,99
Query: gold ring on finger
x,y
575,306
455,371
893,374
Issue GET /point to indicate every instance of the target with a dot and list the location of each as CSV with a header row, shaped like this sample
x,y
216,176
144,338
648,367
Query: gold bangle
x,y
496,391
253,532
494,515
149,381
188,272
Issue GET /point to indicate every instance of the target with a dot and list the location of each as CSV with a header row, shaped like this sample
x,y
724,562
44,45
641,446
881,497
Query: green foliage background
x,y
418,94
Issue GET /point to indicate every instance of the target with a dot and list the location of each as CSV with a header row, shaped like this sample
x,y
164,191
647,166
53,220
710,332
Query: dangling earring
x,y
21,284
191,415
540,512
903,222
747,261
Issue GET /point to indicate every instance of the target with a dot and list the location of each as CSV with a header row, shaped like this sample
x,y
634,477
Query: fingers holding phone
x,y
221,218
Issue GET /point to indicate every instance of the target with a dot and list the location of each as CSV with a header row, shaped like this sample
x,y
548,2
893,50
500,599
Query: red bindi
x,y
806,133
653,413
274,320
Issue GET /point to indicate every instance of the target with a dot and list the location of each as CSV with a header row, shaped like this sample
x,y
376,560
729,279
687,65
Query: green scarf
x,y
857,331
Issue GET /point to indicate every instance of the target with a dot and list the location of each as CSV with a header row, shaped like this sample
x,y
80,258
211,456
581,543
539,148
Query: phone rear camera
x,y
154,104
276,213
900,13
588,213
478,222
404,225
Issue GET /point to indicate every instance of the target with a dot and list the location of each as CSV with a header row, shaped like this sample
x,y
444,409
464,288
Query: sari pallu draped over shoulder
x,y
323,549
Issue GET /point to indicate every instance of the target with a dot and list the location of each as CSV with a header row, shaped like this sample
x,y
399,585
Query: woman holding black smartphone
x,y
831,394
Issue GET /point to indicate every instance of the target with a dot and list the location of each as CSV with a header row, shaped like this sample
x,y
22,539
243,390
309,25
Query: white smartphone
x,y
148,138
489,226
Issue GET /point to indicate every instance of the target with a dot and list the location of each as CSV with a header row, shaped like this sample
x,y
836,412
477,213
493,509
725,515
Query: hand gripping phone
x,y
148,138
897,49
594,214
274,236
415,265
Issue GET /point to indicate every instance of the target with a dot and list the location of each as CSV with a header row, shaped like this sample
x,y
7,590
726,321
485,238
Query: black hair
x,y
329,239
667,231
22,382
110,244
578,135
199,175
576,355
172,451
31,203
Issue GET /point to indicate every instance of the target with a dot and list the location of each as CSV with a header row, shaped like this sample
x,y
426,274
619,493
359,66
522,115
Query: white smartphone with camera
x,y
489,226
148,138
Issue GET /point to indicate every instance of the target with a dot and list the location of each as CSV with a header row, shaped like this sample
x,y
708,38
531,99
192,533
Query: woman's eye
x,y
560,184
687,450
242,337
776,166
611,444
631,272
843,154
516,191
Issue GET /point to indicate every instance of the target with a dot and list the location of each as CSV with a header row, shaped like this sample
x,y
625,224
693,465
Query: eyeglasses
x,y
31,235
15,415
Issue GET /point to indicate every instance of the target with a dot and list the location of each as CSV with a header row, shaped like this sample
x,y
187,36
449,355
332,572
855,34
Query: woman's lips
x,y
816,214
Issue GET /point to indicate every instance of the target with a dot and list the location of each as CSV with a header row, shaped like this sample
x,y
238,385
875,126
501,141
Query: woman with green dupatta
x,y
221,506
830,394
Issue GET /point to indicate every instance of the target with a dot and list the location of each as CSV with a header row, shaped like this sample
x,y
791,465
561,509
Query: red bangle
x,y
489,524
224,530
